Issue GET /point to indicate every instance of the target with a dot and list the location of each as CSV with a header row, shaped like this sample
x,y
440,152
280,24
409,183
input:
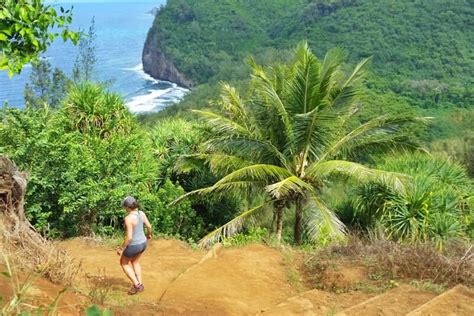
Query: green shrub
x,y
435,207
83,159
173,138
178,220
252,235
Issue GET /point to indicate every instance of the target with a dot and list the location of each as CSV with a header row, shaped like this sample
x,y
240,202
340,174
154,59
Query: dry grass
x,y
30,251
100,287
290,262
389,260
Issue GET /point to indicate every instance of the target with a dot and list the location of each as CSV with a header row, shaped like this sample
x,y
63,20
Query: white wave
x,y
152,100
145,103
139,70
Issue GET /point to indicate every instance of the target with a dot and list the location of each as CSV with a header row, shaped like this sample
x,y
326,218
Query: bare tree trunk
x,y
279,207
12,188
298,230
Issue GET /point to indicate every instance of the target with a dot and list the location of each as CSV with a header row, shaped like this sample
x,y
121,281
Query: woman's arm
x,y
148,226
128,235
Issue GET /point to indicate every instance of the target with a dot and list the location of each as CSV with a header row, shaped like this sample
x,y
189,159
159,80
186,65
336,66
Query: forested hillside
x,y
423,56
417,45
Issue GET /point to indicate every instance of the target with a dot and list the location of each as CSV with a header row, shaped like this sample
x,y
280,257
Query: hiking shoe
x,y
136,289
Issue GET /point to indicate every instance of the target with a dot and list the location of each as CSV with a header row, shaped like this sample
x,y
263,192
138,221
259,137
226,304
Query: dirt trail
x,y
456,301
231,281
250,280
398,301
163,261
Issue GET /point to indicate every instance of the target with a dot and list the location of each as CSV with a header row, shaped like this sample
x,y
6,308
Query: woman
x,y
134,244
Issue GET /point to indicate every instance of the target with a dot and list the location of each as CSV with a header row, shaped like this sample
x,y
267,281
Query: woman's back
x,y
138,233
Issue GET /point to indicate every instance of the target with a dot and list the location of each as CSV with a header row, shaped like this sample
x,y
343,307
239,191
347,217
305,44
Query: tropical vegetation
x,y
307,147
82,159
27,28
291,135
413,70
438,206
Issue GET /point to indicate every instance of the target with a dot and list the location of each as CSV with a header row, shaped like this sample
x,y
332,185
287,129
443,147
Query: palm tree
x,y
290,137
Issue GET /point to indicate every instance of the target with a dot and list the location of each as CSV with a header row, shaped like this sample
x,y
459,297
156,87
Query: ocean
x,y
121,30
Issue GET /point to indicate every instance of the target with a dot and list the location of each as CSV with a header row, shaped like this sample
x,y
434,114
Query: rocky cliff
x,y
157,65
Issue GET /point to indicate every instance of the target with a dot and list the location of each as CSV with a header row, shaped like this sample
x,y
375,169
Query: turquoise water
x,y
121,32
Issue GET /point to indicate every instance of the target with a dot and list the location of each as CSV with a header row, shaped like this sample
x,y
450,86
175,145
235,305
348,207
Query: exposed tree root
x,y
18,238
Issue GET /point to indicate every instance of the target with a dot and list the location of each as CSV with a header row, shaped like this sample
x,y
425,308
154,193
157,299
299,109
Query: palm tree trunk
x,y
298,230
279,220
273,225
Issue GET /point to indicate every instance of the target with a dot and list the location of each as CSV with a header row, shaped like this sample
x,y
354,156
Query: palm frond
x,y
322,221
260,151
243,179
230,228
345,97
183,197
329,72
272,100
358,73
232,103
280,75
304,82
258,172
188,163
396,181
287,187
224,164
230,188
222,124
385,124
314,130
378,142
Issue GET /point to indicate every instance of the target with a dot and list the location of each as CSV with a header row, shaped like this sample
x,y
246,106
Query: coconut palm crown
x,y
291,136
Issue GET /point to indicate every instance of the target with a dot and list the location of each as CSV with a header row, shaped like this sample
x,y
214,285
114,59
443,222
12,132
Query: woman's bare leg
x,y
128,269
137,268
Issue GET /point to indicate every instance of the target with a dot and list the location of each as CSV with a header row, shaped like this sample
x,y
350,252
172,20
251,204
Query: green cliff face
x,y
422,49
205,38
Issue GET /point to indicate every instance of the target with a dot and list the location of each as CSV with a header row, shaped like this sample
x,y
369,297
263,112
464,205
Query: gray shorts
x,y
133,250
